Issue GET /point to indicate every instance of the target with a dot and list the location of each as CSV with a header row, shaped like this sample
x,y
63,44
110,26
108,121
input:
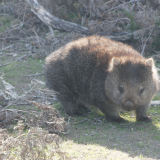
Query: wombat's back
x,y
70,69
75,64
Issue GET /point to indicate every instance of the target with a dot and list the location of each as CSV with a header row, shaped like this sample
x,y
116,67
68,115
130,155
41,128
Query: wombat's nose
x,y
129,105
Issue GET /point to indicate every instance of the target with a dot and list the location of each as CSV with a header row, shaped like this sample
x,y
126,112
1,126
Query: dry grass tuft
x,y
36,144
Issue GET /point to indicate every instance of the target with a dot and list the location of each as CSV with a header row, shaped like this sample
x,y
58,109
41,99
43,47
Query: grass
x,y
133,26
120,140
14,73
139,140
7,21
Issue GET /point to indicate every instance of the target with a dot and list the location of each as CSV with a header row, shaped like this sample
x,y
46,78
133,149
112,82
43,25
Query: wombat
x,y
96,71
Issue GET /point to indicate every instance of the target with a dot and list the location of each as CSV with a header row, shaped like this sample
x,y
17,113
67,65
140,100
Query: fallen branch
x,y
54,22
155,103
58,24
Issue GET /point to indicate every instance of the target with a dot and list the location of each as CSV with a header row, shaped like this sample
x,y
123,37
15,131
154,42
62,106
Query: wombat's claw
x,y
145,119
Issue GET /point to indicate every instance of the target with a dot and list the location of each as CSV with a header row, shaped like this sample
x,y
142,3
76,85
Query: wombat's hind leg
x,y
83,109
71,108
70,105
141,114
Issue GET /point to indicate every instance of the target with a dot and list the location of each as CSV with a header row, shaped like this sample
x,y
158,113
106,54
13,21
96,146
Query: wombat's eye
x,y
121,90
141,91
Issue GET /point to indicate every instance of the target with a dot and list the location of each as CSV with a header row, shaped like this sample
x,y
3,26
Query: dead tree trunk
x,y
54,22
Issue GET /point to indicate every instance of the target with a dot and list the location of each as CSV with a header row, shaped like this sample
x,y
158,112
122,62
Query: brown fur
x,y
103,73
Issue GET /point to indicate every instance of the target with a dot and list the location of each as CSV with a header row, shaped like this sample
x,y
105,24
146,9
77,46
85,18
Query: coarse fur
x,y
96,71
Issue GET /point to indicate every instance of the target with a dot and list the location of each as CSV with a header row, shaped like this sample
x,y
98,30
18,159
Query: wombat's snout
x,y
129,106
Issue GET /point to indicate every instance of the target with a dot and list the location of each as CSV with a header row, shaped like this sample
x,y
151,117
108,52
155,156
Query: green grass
x,y
14,73
157,97
133,25
6,21
155,44
131,137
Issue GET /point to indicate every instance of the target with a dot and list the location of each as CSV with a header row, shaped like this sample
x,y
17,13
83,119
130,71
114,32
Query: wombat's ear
x,y
149,62
114,62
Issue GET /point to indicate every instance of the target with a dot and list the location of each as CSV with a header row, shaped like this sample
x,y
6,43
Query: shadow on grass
x,y
137,139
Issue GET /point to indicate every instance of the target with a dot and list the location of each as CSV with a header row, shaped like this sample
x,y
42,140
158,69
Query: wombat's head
x,y
131,82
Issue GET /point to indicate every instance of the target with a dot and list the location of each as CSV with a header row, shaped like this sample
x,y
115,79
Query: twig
x,y
144,46
49,92
13,53
22,103
9,38
19,97
55,43
6,47
45,90
29,112
32,75
122,5
108,2
85,119
11,110
98,120
4,14
36,36
21,24
24,13
115,21
60,7
125,4
14,61
51,30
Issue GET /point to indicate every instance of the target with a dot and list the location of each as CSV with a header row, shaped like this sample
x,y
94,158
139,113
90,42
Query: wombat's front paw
x,y
144,119
120,120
